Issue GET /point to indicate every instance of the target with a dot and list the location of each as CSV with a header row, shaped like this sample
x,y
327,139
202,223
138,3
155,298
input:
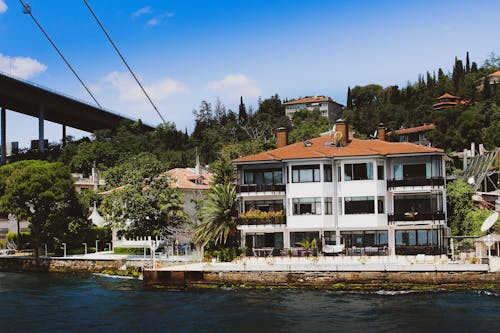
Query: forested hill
x,y
478,121
221,134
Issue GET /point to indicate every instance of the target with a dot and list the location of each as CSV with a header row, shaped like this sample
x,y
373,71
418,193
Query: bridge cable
x,y
27,10
123,59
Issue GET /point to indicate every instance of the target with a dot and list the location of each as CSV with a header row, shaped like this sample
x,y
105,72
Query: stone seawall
x,y
28,264
325,280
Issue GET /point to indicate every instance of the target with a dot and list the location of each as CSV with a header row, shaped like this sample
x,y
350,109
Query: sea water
x,y
46,302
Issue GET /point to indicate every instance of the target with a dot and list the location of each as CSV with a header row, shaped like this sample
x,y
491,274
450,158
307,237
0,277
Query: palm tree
x,y
218,214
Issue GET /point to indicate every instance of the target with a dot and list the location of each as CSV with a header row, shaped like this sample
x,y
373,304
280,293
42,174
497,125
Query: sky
x,y
186,51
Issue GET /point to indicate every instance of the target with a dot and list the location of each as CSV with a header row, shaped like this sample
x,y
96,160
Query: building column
x,y
391,238
64,135
3,137
41,139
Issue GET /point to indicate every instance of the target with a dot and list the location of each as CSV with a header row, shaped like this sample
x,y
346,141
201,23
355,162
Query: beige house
x,y
328,107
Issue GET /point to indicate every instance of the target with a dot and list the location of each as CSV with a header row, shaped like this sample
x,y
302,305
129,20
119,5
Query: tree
x,y
459,204
43,194
307,125
242,112
467,64
218,212
349,99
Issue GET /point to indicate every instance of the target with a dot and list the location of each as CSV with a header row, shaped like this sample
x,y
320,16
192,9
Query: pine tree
x,y
458,75
242,113
349,99
473,68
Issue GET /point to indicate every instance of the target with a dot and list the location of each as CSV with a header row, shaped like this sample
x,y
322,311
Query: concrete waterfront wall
x,y
64,265
324,280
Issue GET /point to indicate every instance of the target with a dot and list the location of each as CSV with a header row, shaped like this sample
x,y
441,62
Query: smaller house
x,y
447,101
9,224
93,182
328,107
416,135
494,78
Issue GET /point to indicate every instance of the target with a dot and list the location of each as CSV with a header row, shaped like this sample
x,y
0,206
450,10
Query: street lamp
x,y
96,245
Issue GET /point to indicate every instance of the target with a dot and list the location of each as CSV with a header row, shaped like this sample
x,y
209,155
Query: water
x,y
90,303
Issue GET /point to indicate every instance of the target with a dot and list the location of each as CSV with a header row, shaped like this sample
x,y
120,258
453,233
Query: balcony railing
x,y
391,183
261,221
416,216
261,188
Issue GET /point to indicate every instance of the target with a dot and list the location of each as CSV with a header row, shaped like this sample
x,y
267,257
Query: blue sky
x,y
188,51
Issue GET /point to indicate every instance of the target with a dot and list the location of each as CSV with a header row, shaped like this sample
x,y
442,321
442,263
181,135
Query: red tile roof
x,y
446,95
409,130
497,73
187,179
309,100
356,147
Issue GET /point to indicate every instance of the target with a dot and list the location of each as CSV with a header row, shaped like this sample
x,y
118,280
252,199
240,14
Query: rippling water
x,y
69,303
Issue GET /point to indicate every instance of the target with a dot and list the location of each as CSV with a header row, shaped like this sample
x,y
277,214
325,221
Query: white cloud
x,y
142,11
128,90
3,7
235,85
159,19
23,67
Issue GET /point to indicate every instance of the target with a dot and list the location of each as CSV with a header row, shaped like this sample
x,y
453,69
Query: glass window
x,y
414,171
328,206
268,177
330,238
261,177
358,171
306,206
278,177
380,205
305,174
327,170
249,178
298,237
359,205
422,237
380,172
265,205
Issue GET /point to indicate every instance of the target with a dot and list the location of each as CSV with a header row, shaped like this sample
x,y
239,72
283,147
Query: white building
x,y
376,197
328,107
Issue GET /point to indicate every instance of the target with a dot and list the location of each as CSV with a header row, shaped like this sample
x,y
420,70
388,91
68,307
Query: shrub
x,y
131,250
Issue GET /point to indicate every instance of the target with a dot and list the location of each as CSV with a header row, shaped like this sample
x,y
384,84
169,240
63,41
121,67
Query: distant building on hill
x,y
494,78
328,107
447,101
416,135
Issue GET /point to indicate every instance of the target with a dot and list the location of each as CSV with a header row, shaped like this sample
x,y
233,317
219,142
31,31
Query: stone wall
x,y
325,280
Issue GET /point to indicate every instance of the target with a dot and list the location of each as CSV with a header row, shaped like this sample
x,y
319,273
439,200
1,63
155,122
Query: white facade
x,y
328,107
389,204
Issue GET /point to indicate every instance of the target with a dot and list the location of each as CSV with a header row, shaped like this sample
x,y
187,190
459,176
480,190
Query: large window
x,y
265,205
421,203
380,172
328,206
417,237
358,171
305,206
359,205
305,174
264,240
330,238
365,238
298,237
327,170
260,177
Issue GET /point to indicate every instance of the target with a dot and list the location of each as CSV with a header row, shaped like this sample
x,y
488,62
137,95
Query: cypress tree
x,y
473,68
486,88
349,99
242,113
467,64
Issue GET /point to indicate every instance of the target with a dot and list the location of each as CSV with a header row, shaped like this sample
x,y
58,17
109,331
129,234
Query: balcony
x,y
409,182
415,216
260,188
257,217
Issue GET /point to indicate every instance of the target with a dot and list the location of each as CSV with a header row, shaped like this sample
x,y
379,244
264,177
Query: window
x,y
380,172
330,238
328,206
421,203
265,205
423,237
327,171
412,171
358,171
260,177
305,174
380,205
305,206
359,205
264,240
377,238
298,237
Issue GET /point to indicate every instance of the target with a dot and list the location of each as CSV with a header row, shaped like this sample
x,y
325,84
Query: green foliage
x,y
130,250
218,212
307,125
226,254
459,204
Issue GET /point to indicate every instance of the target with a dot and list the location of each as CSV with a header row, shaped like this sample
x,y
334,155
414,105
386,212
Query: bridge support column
x,y
41,139
3,137
64,135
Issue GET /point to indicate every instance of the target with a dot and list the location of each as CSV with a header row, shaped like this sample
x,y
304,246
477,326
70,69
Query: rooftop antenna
x,y
123,59
27,10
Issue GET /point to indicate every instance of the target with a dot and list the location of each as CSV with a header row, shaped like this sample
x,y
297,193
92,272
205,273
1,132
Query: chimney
x,y
341,132
381,132
281,137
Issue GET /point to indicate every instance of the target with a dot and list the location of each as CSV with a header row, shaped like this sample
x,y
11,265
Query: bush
x,y
25,238
225,255
131,250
